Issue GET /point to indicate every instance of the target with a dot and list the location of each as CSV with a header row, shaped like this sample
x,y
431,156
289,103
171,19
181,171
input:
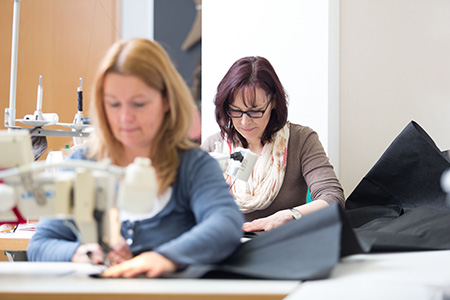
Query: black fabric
x,y
362,215
399,205
39,146
417,229
303,249
407,175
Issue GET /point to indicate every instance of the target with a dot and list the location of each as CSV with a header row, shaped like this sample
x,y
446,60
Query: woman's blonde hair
x,y
148,61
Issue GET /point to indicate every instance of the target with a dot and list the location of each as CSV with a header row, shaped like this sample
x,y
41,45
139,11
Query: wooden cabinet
x,y
62,40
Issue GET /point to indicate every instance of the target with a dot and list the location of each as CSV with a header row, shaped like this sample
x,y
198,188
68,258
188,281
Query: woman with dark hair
x,y
251,110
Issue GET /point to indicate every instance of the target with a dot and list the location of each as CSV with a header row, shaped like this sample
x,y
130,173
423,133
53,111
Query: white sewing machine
x,y
80,189
83,190
238,164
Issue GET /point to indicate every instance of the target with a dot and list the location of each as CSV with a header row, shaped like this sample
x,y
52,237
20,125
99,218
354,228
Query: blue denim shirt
x,y
200,224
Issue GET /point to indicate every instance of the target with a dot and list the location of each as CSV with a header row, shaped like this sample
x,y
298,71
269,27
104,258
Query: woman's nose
x,y
126,115
246,119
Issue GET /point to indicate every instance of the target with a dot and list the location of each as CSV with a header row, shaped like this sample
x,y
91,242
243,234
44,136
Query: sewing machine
x,y
80,189
238,164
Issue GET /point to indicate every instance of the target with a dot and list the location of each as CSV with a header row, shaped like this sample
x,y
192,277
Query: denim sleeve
x,y
52,241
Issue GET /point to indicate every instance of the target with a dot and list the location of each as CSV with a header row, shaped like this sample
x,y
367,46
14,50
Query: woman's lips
x,y
129,130
247,130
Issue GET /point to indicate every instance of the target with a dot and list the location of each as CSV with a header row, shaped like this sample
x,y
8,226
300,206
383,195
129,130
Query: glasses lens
x,y
234,113
255,114
251,114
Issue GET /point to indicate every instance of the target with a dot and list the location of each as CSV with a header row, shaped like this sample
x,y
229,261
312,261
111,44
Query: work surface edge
x,y
19,280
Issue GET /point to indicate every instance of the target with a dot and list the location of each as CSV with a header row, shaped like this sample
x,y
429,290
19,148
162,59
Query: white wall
x,y
137,19
294,36
393,64
395,67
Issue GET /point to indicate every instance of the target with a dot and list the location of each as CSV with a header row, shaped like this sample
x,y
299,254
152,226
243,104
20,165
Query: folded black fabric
x,y
303,249
418,229
399,205
407,175
361,216
39,146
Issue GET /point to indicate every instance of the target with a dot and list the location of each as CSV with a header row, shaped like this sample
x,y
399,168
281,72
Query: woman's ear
x,y
166,104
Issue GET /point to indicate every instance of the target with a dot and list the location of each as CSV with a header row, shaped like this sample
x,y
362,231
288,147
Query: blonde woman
x,y
143,108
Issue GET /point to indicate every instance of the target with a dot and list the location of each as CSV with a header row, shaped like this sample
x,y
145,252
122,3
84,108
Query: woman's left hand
x,y
268,223
119,253
151,264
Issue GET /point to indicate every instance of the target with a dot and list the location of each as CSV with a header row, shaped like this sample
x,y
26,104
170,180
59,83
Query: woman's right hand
x,y
88,253
151,264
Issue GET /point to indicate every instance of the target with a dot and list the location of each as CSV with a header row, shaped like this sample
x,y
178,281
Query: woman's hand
x,y
119,253
88,253
268,223
151,264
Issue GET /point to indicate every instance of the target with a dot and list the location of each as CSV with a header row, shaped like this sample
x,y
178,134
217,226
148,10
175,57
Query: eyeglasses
x,y
254,114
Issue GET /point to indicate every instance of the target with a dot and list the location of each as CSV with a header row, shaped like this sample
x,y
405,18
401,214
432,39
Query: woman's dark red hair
x,y
246,75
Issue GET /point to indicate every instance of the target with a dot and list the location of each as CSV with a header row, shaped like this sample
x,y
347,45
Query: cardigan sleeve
x,y
218,226
52,241
317,170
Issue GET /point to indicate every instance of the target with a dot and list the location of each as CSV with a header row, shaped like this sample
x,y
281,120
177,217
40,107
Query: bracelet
x,y
296,214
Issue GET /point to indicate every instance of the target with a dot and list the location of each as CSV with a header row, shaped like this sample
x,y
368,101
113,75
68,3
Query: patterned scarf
x,y
267,176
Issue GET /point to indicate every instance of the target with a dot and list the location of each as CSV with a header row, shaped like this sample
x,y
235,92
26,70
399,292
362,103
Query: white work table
x,y
406,275
27,280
